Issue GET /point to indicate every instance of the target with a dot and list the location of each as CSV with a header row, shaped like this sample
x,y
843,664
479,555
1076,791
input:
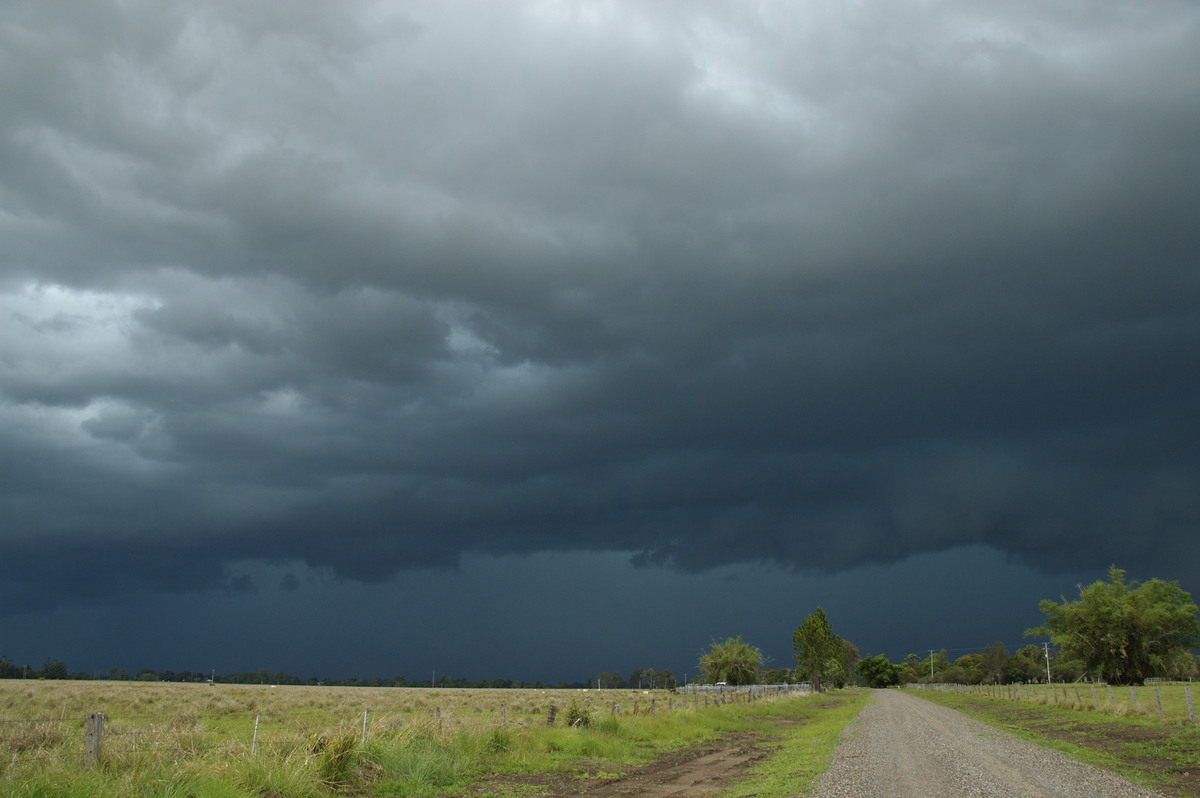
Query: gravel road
x,y
901,746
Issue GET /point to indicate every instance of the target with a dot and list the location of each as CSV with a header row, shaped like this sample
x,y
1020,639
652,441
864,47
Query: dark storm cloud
x,y
370,288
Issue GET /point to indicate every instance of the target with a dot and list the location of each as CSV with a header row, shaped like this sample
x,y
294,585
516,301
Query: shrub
x,y
578,716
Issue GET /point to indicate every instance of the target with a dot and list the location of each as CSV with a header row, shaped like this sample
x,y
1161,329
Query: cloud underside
x,y
370,290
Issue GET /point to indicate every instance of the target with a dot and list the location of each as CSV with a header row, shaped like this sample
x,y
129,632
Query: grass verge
x,y
812,731
1163,757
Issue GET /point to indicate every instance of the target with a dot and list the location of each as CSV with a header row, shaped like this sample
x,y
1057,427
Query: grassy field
x,y
229,741
1125,736
1135,701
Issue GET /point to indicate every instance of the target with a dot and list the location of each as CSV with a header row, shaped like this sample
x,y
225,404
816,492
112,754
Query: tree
x,y
967,669
54,669
878,671
847,656
1027,665
933,668
732,662
815,644
995,657
1123,632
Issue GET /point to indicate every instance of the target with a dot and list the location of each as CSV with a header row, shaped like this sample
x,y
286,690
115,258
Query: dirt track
x,y
901,746
705,770
898,747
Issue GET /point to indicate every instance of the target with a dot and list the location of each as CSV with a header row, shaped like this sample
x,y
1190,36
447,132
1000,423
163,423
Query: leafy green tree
x,y
777,676
732,662
1027,665
995,657
815,644
967,669
848,657
933,668
878,671
1122,632
54,669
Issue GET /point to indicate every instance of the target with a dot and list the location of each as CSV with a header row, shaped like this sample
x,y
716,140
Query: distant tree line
x,y
57,669
638,678
1119,631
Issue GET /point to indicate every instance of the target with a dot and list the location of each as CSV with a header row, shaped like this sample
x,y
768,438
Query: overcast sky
x,y
535,339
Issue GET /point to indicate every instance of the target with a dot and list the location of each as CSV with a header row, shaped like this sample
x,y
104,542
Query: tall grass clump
x,y
422,766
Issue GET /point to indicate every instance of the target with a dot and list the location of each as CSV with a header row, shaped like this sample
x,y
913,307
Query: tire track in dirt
x,y
699,771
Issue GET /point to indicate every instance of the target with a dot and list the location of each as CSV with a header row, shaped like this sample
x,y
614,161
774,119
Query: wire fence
x,y
117,738
1169,702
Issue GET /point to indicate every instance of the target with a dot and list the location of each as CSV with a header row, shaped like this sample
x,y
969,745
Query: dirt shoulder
x,y
701,770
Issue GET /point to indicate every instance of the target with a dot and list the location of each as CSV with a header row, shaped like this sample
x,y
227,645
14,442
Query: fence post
x,y
504,716
550,715
93,740
1158,700
1187,693
1095,698
364,734
254,737
1132,697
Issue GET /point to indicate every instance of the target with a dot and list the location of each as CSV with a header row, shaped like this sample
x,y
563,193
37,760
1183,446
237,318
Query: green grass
x,y
1135,744
806,748
197,741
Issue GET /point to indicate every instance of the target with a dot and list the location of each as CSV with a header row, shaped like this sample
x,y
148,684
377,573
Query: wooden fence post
x,y
254,737
1158,700
550,715
1187,693
93,740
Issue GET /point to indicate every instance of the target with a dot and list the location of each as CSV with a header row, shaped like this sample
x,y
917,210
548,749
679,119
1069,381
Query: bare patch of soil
x,y
703,770
1125,742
